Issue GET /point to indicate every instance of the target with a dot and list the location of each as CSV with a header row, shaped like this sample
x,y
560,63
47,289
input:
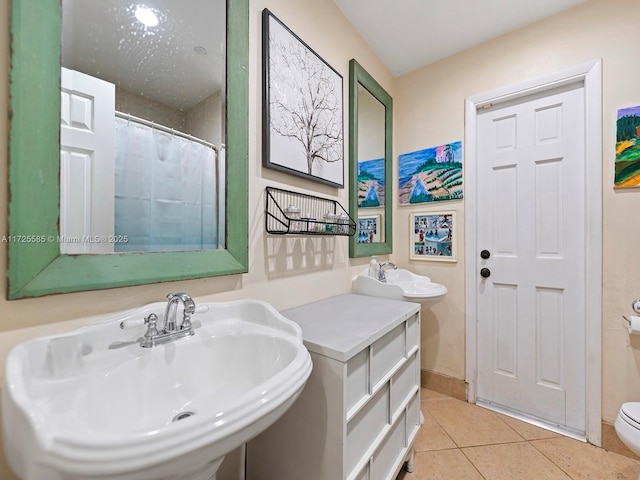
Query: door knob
x,y
485,272
485,254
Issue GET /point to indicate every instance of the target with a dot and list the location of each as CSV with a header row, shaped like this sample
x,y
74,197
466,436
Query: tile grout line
x,y
525,441
522,439
457,447
473,464
514,430
551,459
443,429
461,449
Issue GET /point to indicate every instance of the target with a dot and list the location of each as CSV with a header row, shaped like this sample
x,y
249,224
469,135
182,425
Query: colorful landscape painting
x,y
371,183
627,167
431,175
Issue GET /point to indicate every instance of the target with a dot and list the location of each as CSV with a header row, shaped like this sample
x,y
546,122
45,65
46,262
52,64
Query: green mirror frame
x,y
35,265
359,76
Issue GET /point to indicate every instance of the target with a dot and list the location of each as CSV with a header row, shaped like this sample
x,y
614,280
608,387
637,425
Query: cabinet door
x,y
357,378
391,451
386,353
403,383
364,430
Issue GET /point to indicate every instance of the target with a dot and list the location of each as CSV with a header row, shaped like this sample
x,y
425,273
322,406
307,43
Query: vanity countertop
x,y
339,327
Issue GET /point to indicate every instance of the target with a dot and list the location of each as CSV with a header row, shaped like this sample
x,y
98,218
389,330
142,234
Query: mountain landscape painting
x,y
371,183
431,175
627,166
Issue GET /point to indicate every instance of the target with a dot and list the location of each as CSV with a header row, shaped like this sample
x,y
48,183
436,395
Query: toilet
x,y
628,426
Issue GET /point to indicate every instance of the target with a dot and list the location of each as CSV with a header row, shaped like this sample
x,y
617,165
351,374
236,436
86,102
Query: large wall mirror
x,y
129,131
370,157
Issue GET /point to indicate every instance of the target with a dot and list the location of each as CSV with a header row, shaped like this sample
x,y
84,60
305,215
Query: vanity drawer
x,y
364,474
413,418
413,335
386,353
364,428
403,383
386,458
357,378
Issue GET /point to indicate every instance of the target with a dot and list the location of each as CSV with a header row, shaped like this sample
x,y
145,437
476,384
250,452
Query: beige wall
x,y
283,271
204,120
276,272
429,110
142,107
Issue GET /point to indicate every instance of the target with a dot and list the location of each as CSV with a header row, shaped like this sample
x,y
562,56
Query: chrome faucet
x,y
171,330
382,277
170,324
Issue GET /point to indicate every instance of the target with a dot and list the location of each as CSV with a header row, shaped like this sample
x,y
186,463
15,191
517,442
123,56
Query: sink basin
x,y
93,403
400,285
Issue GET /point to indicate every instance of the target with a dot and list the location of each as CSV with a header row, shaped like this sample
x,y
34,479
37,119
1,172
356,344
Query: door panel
x,y
87,166
531,217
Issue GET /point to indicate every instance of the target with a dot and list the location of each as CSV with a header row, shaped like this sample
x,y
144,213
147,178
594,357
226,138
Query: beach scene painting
x,y
431,175
433,236
627,166
371,183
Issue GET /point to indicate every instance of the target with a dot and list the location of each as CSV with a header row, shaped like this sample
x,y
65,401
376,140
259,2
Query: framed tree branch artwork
x,y
302,109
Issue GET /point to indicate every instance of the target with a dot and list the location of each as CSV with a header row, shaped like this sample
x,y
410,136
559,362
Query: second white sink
x,y
401,284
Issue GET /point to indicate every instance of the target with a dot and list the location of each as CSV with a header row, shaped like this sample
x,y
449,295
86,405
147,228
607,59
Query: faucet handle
x,y
152,326
133,322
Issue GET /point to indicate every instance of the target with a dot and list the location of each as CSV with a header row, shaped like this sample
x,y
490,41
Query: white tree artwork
x,y
303,108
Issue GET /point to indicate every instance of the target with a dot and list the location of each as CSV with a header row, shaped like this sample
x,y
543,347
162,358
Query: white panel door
x,y
531,220
87,166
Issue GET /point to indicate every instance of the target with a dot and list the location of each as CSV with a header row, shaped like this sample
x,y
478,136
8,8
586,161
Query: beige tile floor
x,y
461,441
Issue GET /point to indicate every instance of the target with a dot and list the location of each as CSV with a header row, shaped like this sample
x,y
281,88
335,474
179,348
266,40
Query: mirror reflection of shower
x,y
142,126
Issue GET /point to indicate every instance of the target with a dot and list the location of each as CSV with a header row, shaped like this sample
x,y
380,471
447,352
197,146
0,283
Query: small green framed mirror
x,y
370,161
36,265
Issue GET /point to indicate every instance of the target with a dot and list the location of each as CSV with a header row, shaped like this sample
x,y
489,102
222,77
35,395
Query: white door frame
x,y
590,73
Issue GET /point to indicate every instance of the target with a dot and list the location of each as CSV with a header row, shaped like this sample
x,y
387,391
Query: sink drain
x,y
182,416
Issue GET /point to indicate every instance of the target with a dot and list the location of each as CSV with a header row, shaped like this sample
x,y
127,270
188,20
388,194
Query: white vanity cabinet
x,y
359,413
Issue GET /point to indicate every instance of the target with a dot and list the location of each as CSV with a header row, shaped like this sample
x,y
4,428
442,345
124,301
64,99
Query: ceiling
x,y
408,34
102,38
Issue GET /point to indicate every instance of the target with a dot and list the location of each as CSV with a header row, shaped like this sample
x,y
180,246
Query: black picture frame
x,y
302,107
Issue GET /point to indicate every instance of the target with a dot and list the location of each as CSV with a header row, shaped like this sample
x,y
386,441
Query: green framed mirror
x,y
370,162
35,265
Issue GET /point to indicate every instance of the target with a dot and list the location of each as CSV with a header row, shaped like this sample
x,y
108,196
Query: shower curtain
x,y
166,194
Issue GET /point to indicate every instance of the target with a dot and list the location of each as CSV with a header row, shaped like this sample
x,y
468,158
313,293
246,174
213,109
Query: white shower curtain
x,y
166,191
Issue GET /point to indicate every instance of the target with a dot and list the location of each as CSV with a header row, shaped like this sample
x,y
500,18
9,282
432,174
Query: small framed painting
x,y
627,163
433,236
369,229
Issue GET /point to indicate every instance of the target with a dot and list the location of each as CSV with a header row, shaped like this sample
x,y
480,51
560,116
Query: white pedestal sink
x,y
400,285
94,404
